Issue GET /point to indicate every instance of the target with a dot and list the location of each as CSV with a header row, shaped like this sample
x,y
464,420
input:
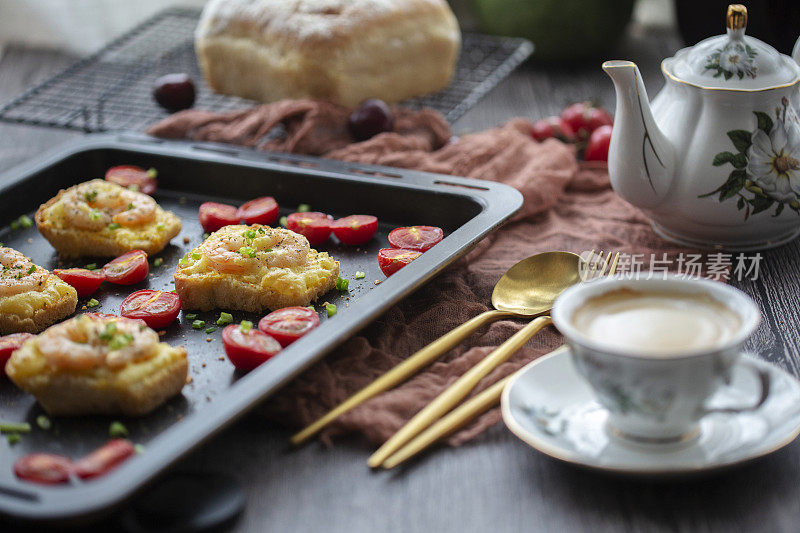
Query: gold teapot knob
x,y
737,17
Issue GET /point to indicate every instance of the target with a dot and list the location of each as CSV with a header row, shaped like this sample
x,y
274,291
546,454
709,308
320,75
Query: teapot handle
x,y
796,52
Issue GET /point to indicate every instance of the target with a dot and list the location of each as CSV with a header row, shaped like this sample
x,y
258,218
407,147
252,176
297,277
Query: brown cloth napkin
x,y
568,206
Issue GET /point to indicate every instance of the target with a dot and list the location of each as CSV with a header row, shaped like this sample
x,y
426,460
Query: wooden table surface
x,y
495,483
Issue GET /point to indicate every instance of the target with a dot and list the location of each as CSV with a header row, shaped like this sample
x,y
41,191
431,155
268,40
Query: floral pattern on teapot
x,y
734,59
766,164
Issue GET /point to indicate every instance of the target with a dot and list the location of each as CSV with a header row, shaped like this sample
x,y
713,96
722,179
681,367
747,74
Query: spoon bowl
x,y
530,287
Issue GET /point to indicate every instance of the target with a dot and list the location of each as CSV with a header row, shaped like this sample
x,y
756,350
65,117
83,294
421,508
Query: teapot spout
x,y
641,160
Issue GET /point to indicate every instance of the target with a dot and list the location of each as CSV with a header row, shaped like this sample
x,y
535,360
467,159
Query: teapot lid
x,y
733,61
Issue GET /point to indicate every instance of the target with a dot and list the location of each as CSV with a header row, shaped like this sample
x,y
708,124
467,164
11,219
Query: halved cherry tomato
x,y
248,349
12,342
45,468
289,324
420,238
262,210
393,259
104,459
355,229
84,281
133,177
158,309
214,215
315,226
128,269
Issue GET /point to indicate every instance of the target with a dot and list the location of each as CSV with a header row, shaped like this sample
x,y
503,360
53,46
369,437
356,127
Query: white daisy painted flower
x,y
774,161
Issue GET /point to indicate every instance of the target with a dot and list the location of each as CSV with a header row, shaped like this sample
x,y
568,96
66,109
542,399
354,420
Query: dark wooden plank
x,y
495,483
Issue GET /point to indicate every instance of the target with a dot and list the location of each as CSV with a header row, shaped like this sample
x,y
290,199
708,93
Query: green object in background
x,y
561,30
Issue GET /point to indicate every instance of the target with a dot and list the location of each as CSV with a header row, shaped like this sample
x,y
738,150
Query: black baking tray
x,y
110,90
190,173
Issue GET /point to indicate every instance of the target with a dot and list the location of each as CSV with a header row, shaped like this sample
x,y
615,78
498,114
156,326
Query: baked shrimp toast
x,y
253,268
99,364
31,297
100,218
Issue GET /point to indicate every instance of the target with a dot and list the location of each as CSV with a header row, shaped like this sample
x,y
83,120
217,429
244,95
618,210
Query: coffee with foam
x,y
656,323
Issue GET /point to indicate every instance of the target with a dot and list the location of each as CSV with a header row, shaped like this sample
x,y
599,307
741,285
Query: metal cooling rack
x,y
110,90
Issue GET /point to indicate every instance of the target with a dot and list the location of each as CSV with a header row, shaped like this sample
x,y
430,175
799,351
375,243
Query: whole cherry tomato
x,y
214,215
84,281
44,468
128,269
133,177
584,118
390,260
355,229
289,324
9,344
262,210
315,226
104,459
597,149
419,238
549,127
158,309
248,348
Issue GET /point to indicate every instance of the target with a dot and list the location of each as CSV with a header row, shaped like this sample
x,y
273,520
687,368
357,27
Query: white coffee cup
x,y
659,397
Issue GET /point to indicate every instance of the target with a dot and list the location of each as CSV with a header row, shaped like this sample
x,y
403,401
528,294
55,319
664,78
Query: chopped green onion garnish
x,y
360,275
138,448
91,266
13,438
250,234
43,422
247,251
196,256
90,196
261,231
342,284
92,303
198,324
114,225
15,225
15,427
130,206
133,187
303,208
284,221
120,341
109,332
94,214
206,236
245,326
32,269
160,227
211,329
117,430
25,221
330,309
184,260
152,173
191,316
224,319
157,262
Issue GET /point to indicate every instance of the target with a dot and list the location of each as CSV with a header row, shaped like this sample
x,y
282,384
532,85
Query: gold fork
x,y
412,438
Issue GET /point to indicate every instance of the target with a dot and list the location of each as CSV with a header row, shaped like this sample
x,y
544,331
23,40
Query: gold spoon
x,y
451,396
527,289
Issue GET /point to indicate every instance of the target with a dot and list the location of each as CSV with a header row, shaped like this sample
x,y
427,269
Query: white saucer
x,y
549,406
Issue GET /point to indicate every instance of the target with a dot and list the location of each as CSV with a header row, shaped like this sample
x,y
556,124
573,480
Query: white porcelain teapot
x,y
714,160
